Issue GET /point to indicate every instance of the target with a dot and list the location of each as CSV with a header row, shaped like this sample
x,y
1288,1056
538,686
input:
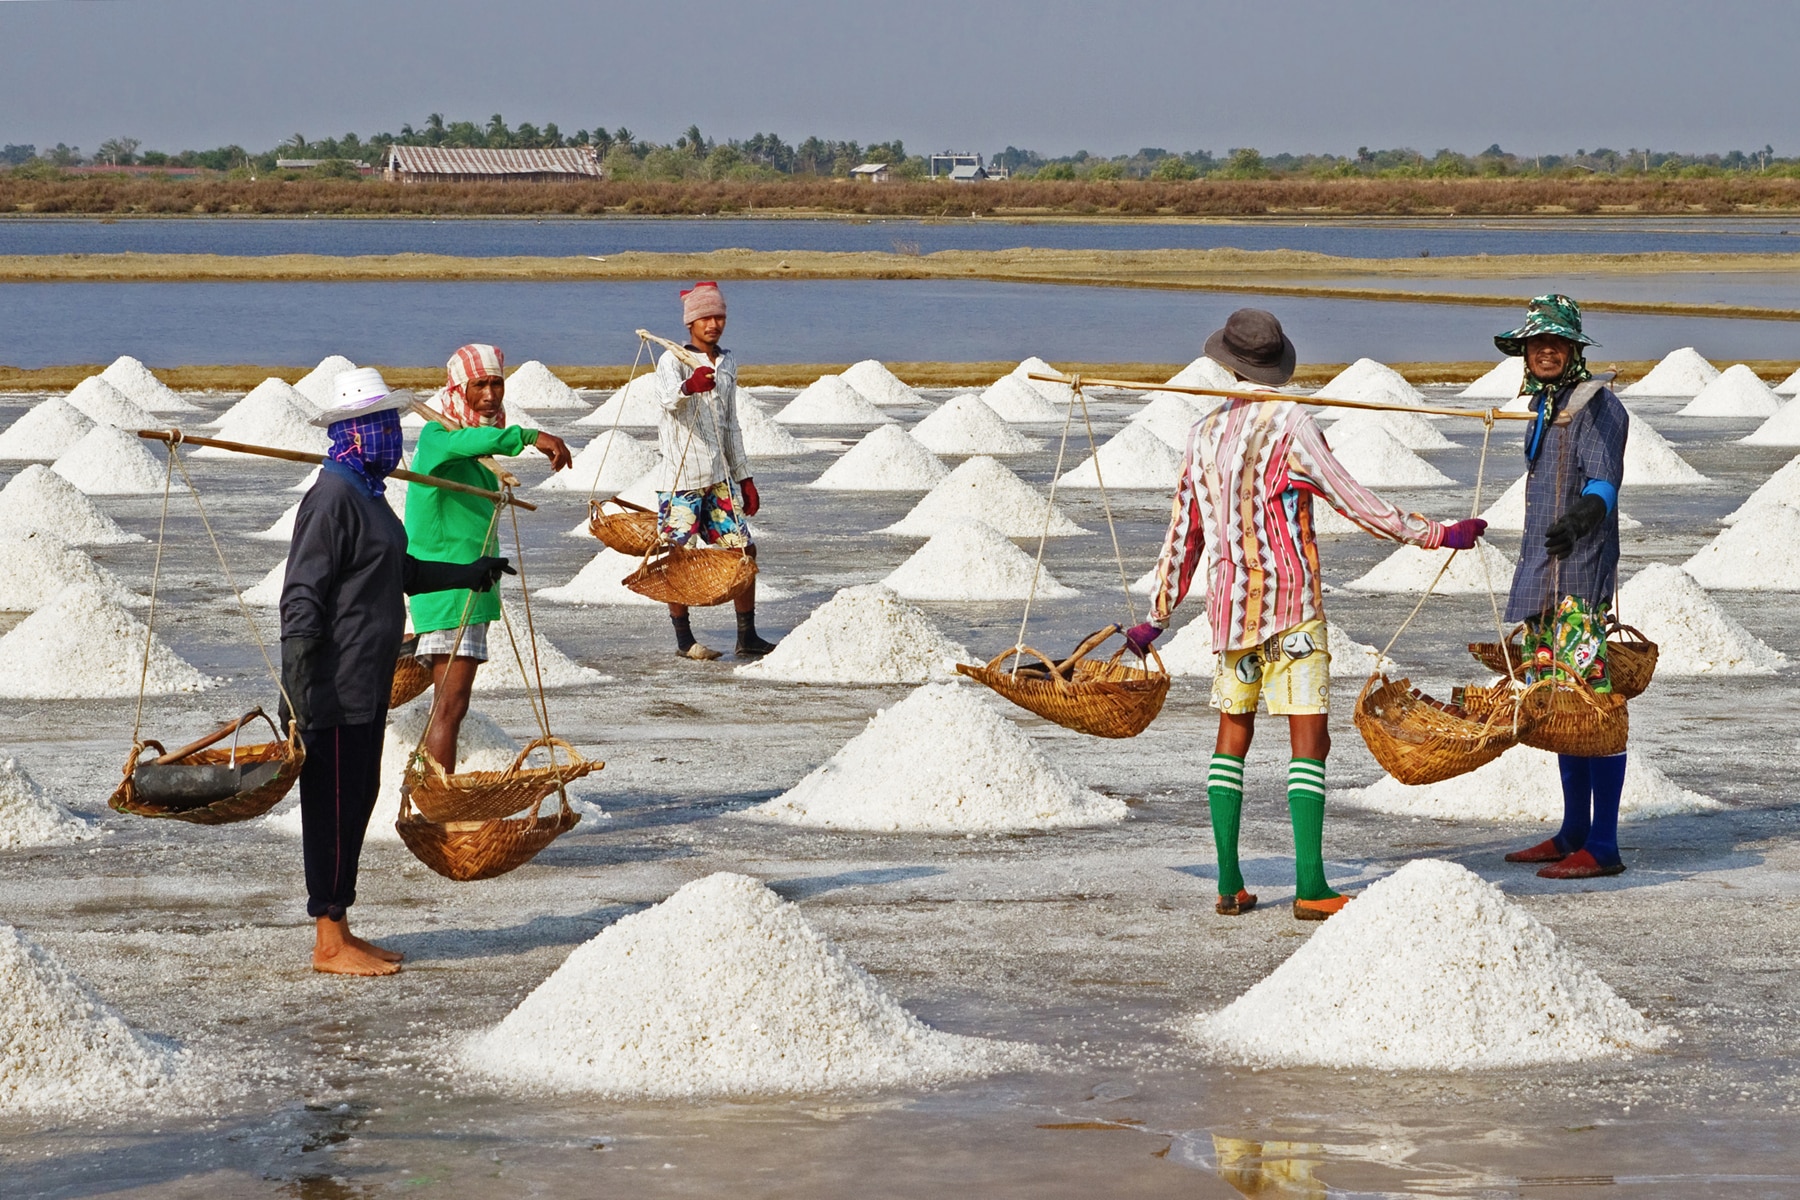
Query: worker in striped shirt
x,y
1243,512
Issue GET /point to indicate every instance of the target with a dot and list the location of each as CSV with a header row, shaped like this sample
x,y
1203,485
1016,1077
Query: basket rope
x,y
612,435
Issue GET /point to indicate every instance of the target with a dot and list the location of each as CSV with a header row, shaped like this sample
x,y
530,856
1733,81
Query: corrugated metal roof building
x,y
443,164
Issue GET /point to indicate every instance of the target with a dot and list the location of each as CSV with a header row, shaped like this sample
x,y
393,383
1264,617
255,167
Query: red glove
x,y
700,381
1462,535
752,501
1139,637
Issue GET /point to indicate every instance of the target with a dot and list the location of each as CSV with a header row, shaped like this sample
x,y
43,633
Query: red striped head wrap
x,y
472,362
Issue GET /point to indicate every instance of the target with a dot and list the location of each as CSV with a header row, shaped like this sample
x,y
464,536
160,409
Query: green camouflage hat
x,y
1553,313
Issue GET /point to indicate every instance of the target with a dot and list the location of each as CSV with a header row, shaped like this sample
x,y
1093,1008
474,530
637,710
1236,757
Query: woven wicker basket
x,y
1566,716
1630,658
411,678
489,795
696,578
630,530
241,807
1108,699
1418,743
469,850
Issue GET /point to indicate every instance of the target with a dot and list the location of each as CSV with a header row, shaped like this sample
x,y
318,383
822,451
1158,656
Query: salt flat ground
x,y
1093,944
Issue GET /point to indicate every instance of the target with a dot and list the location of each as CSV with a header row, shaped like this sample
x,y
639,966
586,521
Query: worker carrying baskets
x,y
1243,510
1563,586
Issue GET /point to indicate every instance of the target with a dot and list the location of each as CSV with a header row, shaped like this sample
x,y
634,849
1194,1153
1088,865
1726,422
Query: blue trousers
x,y
1591,791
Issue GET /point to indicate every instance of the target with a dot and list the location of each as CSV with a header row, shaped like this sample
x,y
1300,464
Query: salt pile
x,y
501,671
1430,969
639,402
887,459
42,434
1190,652
1681,373
1203,372
763,438
828,400
1017,401
272,419
878,385
605,465
1059,394
82,646
1789,386
1412,568
38,500
266,592
1524,784
1508,512
1752,556
1737,392
111,462
1782,429
598,582
104,403
721,990
39,567
1329,522
1171,417
984,489
1501,383
1366,379
940,761
142,388
863,634
1376,459
1132,458
642,490
533,385
966,425
270,393
30,818
1783,487
1651,461
319,385
283,528
1695,635
970,560
1409,429
64,1050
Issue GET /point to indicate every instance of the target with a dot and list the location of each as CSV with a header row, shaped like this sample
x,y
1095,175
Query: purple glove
x,y
1139,637
1462,535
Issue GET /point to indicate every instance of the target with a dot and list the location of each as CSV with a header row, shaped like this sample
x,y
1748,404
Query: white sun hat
x,y
359,392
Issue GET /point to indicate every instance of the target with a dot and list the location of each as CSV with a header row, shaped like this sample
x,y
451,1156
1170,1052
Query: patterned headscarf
x,y
472,362
369,445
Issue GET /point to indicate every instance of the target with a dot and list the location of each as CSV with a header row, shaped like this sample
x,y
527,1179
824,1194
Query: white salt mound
x,y
863,634
1524,784
1681,373
1789,386
639,402
39,567
43,433
982,489
605,465
1752,556
1366,379
1412,568
283,528
828,400
940,761
763,438
64,1050
1782,429
1501,383
598,582
966,425
970,560
1132,458
1650,461
878,385
721,990
501,671
1376,458
271,393
104,403
38,500
111,462
139,385
533,385
273,419
30,818
1018,401
82,646
1693,634
1409,429
1430,969
887,459
1171,416
1783,487
1203,372
1737,392
1059,394
319,385
266,592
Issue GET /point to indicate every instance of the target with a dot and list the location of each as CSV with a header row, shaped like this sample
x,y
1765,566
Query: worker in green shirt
x,y
457,527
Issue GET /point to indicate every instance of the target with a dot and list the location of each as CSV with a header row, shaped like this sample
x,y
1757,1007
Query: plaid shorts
x,y
443,641
710,515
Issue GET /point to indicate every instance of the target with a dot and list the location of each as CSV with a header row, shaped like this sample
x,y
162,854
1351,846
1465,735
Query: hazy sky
x,y
1050,75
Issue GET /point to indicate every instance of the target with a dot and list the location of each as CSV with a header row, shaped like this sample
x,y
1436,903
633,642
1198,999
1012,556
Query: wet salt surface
x,y
1093,944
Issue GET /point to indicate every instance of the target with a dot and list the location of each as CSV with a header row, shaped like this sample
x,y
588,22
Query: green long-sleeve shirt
x,y
454,526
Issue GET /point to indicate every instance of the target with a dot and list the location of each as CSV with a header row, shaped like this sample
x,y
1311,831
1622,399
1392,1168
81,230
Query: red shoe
x,y
1319,910
1235,906
1581,865
1543,852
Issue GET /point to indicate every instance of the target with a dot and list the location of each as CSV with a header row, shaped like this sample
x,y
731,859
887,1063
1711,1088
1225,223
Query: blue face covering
x,y
369,447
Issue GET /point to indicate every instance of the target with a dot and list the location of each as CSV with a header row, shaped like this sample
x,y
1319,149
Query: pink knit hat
x,y
702,300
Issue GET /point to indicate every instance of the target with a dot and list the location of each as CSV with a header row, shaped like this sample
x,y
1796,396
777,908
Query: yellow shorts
x,y
1291,673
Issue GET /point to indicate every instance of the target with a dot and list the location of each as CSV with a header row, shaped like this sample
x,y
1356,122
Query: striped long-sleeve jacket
x,y
1243,510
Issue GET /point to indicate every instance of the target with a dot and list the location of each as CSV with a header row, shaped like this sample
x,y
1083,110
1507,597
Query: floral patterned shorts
x,y
1575,636
711,514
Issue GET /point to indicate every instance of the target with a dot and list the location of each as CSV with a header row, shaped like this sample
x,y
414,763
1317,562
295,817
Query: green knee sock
x,y
1306,806
1225,799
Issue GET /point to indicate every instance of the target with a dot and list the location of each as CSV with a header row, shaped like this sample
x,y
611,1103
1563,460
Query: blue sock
x,y
1609,783
1578,789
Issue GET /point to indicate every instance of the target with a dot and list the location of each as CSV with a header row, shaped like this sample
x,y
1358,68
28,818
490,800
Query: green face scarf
x,y
1543,393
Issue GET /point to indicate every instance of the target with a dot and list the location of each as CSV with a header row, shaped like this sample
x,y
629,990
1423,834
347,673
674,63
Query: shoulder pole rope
x,y
414,760
1143,385
137,721
1037,567
612,435
1105,504
693,362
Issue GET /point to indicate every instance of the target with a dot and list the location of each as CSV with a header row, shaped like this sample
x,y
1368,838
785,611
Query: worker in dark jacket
x,y
342,617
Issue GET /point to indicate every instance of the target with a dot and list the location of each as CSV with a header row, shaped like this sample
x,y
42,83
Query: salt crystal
x,y
283,528
38,500
42,434
1412,568
639,402
1376,459
82,646
1430,969
982,489
271,394
1651,462
39,566
533,385
111,462
605,465
828,400
599,582
1203,372
1755,556
1501,383
1059,394
970,560
501,671
319,385
143,388
887,459
1782,429
1171,417
1366,379
1783,487
763,438
878,385
942,760
1695,635
863,634
272,419
1737,392
966,425
104,403
1132,458
1409,429
1681,373
722,990
1017,401
30,818
1789,386
1524,784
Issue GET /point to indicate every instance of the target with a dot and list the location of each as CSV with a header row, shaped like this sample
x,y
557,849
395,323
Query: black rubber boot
x,y
748,644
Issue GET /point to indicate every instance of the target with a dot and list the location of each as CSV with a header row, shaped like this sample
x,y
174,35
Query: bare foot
x,y
371,949
337,952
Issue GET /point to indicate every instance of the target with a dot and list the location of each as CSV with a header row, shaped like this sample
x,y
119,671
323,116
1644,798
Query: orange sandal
x,y
1319,910
1235,906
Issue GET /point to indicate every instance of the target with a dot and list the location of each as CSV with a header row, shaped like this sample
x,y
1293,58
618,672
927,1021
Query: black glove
x,y
427,575
302,658
1581,519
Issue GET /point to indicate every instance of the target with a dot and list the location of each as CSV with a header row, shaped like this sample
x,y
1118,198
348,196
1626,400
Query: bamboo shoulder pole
x,y
1139,385
174,437
687,356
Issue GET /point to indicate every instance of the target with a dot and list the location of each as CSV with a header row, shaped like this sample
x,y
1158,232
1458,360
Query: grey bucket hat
x,y
1252,344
